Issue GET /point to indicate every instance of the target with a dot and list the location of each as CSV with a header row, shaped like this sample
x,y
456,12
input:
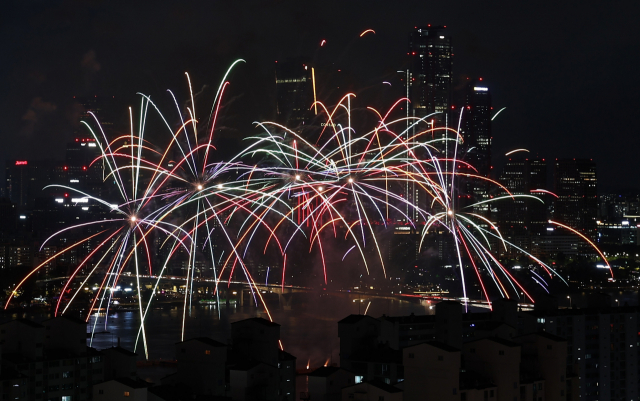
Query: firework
x,y
330,186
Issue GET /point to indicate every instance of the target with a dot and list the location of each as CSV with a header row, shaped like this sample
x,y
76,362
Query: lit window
x,y
126,394
207,352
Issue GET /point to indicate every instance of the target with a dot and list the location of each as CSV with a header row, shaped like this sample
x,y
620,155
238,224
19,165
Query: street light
x,y
569,298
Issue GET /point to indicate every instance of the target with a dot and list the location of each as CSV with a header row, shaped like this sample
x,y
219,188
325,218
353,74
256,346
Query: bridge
x,y
240,292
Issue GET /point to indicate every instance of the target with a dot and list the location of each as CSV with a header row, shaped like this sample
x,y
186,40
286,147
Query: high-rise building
x,y
614,207
575,184
476,127
84,167
101,107
521,177
429,75
25,180
428,87
601,348
619,219
294,93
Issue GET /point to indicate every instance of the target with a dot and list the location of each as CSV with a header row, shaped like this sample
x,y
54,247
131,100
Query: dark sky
x,y
567,71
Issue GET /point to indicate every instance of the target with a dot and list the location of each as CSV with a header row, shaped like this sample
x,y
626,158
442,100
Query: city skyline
x,y
429,85
544,75
218,187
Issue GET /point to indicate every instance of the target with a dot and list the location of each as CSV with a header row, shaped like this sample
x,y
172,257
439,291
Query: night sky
x,y
567,72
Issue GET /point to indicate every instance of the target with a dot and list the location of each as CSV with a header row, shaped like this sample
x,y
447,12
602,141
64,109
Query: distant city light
x,y
480,88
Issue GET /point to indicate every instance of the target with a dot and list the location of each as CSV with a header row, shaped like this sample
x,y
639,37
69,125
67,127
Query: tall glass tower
x,y
430,71
476,127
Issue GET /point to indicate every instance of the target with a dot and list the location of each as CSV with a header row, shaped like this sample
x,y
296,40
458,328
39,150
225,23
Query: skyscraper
x,y
428,88
429,74
294,93
25,180
521,176
475,149
575,184
83,166
476,127
100,106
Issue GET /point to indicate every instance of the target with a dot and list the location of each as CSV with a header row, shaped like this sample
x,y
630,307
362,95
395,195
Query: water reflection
x,y
309,324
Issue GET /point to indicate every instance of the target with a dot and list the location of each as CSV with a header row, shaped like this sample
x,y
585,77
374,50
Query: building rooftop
x,y
120,350
132,383
351,319
584,311
442,346
477,316
410,319
285,356
490,325
25,322
384,386
544,334
498,340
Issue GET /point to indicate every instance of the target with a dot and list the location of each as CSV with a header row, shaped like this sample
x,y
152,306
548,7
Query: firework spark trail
x,y
285,185
285,152
200,179
573,230
327,171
